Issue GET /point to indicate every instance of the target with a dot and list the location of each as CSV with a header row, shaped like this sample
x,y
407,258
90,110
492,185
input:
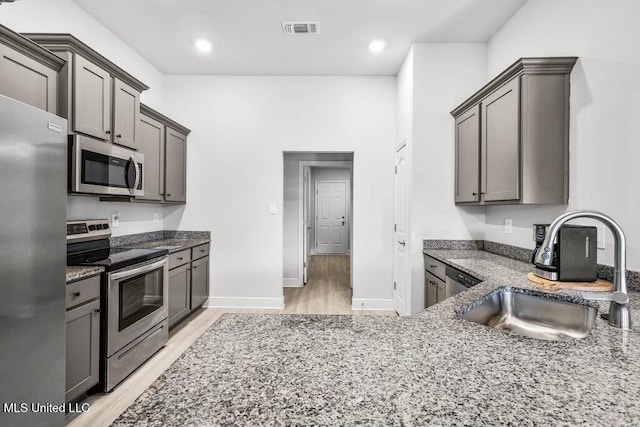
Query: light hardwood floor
x,y
327,292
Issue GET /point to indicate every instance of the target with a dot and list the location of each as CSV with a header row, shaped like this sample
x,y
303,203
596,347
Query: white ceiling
x,y
248,38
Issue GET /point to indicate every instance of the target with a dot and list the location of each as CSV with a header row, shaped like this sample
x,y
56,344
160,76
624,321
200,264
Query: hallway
x,y
326,292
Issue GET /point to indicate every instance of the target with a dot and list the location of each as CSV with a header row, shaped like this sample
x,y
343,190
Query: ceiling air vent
x,y
293,28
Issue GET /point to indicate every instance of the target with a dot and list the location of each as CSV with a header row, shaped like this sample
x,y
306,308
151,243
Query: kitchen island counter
x,y
495,376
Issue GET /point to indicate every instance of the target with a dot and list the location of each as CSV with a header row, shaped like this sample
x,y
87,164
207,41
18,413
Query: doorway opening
x,y
318,231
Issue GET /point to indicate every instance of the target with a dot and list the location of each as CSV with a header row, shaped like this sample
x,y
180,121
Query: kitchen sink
x,y
541,316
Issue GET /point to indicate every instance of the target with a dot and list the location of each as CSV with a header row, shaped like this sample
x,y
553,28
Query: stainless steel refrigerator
x,y
33,170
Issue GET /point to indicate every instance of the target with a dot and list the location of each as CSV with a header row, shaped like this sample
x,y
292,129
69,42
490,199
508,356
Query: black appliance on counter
x,y
574,254
133,298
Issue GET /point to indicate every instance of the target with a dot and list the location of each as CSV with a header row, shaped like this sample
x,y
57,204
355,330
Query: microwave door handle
x,y
134,271
136,180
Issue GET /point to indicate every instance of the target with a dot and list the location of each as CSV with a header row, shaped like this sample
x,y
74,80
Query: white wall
x,y
64,16
241,127
604,110
434,79
290,212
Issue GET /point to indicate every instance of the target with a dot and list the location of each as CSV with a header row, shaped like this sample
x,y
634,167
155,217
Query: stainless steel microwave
x,y
97,167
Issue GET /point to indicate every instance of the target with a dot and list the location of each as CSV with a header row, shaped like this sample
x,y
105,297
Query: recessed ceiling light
x,y
203,45
376,46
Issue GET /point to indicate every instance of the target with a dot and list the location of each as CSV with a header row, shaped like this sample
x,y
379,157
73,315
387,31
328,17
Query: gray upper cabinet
x,y
163,142
91,99
468,156
28,72
97,97
516,128
150,142
126,114
175,166
500,142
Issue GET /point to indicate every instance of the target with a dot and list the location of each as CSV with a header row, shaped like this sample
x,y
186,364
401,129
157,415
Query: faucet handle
x,y
619,297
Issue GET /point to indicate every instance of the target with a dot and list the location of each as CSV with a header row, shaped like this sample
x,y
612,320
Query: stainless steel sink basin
x,y
545,318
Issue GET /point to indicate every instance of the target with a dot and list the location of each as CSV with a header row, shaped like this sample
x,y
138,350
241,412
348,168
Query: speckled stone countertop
x,y
78,273
432,368
173,245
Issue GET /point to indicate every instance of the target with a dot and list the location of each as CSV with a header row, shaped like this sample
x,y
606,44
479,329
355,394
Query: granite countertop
x,y
176,245
524,380
431,368
78,273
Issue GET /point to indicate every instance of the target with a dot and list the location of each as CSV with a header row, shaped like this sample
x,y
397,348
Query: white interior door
x,y
401,219
331,217
306,219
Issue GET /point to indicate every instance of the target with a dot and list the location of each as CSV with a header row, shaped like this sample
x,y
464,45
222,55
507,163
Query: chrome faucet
x,y
619,314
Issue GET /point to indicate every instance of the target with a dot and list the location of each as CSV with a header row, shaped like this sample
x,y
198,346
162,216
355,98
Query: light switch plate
x,y
272,208
508,226
156,218
115,220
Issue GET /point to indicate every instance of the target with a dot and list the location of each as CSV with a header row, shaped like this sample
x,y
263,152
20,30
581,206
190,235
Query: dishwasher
x,y
457,281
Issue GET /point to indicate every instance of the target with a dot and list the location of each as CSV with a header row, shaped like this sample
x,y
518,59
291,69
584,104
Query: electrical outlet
x,y
601,236
508,226
156,218
115,220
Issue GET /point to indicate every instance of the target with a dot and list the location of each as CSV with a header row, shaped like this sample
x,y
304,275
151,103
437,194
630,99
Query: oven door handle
x,y
134,271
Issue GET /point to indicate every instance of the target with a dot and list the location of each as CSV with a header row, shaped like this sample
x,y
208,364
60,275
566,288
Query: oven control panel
x,y
84,230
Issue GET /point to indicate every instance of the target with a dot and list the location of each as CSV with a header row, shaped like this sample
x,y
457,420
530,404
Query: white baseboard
x,y
372,304
244,302
291,282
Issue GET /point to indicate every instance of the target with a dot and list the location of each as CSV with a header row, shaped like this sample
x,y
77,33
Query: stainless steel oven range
x,y
134,298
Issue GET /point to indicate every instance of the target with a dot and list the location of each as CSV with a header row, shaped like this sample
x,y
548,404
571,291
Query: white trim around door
x,y
301,225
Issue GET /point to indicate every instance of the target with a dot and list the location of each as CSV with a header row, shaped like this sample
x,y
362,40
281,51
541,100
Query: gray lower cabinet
x,y
175,182
179,293
83,337
188,282
199,281
28,73
431,289
512,136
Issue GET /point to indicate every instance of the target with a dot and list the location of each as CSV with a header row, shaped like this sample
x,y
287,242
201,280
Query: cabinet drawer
x,y
83,291
434,267
179,258
200,251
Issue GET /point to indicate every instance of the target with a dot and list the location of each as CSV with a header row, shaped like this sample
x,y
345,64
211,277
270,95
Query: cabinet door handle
x,y
402,242
76,294
202,251
119,136
179,258
474,194
97,310
168,195
108,132
195,267
434,266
